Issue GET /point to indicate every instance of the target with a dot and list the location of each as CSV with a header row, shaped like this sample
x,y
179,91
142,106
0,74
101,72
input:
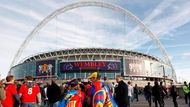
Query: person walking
x,y
130,93
121,92
163,92
156,92
53,94
189,94
45,91
2,93
11,93
186,91
148,93
136,92
108,83
29,92
174,94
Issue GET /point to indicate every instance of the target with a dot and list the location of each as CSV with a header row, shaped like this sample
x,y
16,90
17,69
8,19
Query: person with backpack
x,y
11,93
29,92
74,97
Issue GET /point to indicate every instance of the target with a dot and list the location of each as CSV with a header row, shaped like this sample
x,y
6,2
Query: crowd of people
x,y
77,93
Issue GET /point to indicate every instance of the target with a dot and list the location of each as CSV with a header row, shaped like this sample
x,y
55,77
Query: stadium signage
x,y
89,66
45,68
135,67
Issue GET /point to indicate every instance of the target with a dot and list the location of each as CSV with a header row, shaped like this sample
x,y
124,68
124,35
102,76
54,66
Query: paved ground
x,y
168,103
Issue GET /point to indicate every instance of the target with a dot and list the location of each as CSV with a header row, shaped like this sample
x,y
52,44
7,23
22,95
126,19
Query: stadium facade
x,y
79,63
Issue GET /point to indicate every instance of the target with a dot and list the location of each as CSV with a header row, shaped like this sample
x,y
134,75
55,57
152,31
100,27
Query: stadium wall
x,y
79,63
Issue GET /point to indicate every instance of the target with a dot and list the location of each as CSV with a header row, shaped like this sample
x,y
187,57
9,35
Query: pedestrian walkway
x,y
168,103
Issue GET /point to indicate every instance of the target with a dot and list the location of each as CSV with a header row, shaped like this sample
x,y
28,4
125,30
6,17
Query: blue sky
x,y
96,27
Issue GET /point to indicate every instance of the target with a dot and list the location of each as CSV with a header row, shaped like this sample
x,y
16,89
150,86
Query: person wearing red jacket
x,y
11,93
29,92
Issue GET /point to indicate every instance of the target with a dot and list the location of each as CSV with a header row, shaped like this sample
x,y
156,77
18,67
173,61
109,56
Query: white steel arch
x,y
98,4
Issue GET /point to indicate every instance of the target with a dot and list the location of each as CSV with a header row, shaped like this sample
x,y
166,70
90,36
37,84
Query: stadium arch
x,y
97,4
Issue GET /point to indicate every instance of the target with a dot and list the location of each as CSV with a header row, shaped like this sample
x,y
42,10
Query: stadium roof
x,y
86,51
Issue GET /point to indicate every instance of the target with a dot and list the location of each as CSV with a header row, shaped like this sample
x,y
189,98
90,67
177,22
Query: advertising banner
x,y
135,67
45,68
89,66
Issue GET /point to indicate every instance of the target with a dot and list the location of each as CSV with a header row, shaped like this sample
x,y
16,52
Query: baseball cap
x,y
94,74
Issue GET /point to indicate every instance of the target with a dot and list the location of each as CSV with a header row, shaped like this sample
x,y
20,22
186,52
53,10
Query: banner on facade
x,y
89,66
45,68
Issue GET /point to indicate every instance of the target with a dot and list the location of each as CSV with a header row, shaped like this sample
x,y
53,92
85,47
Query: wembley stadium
x,y
79,63
84,55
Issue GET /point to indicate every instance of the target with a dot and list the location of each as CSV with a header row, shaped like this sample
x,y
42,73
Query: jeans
x,y
29,105
149,99
54,104
45,103
130,100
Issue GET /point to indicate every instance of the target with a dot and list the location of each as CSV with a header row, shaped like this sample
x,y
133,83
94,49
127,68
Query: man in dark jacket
x,y
156,92
53,94
174,94
121,92
148,93
136,92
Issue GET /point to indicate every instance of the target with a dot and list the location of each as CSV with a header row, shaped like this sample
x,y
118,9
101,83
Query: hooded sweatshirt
x,y
29,92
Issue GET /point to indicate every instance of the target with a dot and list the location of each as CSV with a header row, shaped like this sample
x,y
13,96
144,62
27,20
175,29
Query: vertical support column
x,y
122,66
65,77
164,75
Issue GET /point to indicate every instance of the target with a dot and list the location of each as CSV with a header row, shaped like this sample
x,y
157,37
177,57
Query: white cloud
x,y
186,54
176,19
25,12
72,34
14,23
168,23
157,11
183,74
